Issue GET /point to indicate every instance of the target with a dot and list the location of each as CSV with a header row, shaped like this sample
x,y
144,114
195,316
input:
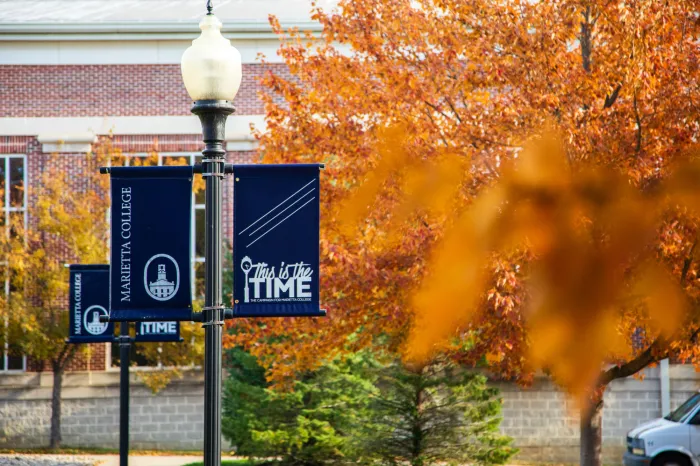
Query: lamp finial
x,y
209,7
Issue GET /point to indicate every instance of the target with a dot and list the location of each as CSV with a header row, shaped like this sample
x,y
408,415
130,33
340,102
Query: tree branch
x,y
585,39
638,119
658,348
688,260
454,110
635,365
65,355
437,109
447,144
610,99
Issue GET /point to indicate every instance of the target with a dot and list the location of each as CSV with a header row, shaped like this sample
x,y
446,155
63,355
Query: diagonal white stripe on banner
x,y
275,207
282,211
277,224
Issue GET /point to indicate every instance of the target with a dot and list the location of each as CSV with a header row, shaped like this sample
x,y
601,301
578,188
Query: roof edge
x,y
132,30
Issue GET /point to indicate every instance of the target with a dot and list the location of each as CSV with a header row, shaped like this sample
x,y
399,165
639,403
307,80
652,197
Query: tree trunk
x,y
592,433
417,428
56,405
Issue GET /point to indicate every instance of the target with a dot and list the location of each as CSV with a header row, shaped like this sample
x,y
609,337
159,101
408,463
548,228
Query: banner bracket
x,y
228,168
213,308
213,323
199,316
218,175
123,339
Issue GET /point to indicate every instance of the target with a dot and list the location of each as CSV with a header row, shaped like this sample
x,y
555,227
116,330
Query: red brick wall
x,y
111,90
19,144
92,357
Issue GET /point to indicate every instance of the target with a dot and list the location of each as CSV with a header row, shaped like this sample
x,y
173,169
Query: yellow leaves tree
x,y
426,105
68,223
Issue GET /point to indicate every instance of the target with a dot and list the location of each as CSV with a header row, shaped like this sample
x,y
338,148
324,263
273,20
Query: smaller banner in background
x,y
151,234
157,331
88,300
276,240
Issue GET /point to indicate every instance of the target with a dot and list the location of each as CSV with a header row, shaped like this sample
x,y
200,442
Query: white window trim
x,y
5,158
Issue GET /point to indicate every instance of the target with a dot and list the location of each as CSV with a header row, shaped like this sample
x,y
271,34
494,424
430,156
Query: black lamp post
x,y
212,71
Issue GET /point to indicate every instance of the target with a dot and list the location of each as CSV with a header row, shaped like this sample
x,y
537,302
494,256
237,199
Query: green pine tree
x,y
437,414
311,425
358,411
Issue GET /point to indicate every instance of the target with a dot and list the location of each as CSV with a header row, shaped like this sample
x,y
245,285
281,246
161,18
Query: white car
x,y
671,440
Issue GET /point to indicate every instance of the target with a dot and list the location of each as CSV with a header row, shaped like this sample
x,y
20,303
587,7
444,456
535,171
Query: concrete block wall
x,y
171,419
542,420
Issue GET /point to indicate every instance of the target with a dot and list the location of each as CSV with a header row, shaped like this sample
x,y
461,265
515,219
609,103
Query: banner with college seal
x,y
88,300
276,240
150,252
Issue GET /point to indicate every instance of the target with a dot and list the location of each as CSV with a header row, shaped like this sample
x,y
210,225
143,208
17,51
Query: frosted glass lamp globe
x,y
211,66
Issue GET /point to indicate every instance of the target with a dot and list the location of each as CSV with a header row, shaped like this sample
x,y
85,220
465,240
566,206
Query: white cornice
x,y
77,134
80,129
112,52
67,143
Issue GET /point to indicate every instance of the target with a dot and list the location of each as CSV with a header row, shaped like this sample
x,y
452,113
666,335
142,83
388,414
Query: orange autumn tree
x,y
424,104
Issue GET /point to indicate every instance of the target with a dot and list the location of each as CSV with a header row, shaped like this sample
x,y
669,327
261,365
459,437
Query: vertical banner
x,y
88,300
150,253
276,240
157,331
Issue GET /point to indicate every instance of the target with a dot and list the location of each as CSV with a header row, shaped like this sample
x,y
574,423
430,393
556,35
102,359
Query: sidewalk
x,y
22,459
113,460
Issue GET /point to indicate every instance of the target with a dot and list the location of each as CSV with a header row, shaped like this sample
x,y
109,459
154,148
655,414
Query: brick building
x,y
74,72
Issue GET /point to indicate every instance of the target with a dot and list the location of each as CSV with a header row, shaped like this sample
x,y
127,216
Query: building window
x,y
13,179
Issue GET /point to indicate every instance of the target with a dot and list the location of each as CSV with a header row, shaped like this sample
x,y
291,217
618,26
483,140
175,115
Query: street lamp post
x,y
211,71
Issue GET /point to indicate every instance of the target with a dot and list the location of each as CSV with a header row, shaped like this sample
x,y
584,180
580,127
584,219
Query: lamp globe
x,y
211,66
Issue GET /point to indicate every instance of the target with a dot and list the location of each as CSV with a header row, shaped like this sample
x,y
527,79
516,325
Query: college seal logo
x,y
161,277
91,320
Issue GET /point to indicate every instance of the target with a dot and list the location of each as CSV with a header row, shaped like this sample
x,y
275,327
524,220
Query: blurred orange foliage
x,y
588,234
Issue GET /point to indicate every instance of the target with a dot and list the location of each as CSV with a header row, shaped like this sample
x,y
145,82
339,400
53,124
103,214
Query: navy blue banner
x,y
157,331
150,253
88,300
276,240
